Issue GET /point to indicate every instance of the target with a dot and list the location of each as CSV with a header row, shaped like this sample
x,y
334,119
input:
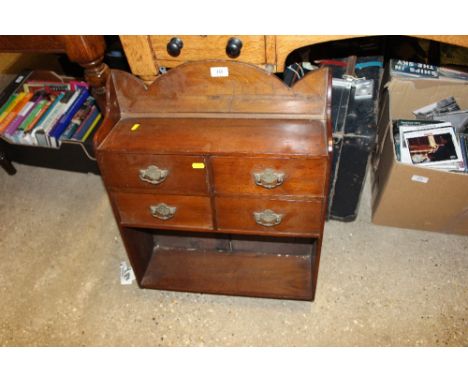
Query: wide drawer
x,y
197,48
157,173
260,176
163,211
252,215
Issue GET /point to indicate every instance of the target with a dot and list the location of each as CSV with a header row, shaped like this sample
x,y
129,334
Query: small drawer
x,y
260,176
159,173
195,48
163,211
251,215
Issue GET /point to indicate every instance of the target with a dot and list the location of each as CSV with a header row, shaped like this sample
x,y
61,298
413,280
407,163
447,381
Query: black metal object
x,y
6,164
354,134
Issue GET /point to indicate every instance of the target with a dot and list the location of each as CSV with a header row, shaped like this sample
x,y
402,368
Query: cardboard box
x,y
409,196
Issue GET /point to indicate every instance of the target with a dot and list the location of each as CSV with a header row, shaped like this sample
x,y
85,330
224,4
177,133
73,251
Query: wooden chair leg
x,y
6,164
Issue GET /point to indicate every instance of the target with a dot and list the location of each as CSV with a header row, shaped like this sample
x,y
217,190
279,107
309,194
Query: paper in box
x,y
409,196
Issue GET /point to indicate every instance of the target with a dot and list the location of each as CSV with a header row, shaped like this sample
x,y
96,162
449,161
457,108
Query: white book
x,y
437,148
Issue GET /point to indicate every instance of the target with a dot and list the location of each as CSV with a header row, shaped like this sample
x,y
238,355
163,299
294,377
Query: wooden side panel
x,y
270,51
247,274
140,56
139,245
302,177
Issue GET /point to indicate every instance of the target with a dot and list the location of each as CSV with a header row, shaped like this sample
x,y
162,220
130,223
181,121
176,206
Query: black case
x,y
354,121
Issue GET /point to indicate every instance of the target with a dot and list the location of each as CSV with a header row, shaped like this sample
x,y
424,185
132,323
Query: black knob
x,y
233,47
174,46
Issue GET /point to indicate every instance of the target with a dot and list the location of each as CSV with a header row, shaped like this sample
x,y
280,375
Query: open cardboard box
x,y
409,196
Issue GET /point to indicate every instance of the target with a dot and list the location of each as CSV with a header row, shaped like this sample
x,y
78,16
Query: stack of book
x,y
437,139
46,113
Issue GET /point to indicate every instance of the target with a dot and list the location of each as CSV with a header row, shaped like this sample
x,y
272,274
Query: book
x,y
62,123
21,116
42,111
405,126
92,127
38,132
78,118
65,103
13,87
6,108
23,99
16,99
32,114
463,138
54,87
50,87
403,68
86,124
27,122
437,148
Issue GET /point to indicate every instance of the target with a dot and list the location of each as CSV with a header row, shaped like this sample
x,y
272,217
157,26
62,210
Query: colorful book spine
x,y
92,127
38,117
38,132
11,102
78,118
34,112
24,98
24,112
62,108
61,125
17,99
26,125
50,87
28,136
88,121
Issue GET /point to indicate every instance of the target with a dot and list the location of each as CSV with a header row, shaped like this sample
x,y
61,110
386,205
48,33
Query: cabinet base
x,y
231,265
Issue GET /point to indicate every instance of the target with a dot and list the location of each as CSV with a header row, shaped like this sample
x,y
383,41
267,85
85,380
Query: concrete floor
x,y
60,252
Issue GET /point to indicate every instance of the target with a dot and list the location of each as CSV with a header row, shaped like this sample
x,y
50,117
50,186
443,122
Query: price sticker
x,y
420,179
219,71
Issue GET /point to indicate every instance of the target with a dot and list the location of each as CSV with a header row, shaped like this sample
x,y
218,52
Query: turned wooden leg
x,y
6,164
88,52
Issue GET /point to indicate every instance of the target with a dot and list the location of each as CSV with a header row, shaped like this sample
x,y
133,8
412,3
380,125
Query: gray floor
x,y
60,253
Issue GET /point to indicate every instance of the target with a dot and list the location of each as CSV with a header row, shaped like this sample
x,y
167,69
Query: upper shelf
x,y
221,89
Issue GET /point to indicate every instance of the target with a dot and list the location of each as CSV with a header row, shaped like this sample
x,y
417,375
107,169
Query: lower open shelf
x,y
223,264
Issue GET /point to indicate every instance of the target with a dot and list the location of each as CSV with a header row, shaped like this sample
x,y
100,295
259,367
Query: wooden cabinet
x,y
146,54
217,174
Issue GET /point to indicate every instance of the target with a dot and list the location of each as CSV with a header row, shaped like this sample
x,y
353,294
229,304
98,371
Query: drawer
x,y
260,176
169,174
163,211
196,48
295,217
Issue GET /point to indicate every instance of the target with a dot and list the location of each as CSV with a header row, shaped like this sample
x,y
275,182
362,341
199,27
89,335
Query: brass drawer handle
x,y
269,178
163,211
267,218
153,174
